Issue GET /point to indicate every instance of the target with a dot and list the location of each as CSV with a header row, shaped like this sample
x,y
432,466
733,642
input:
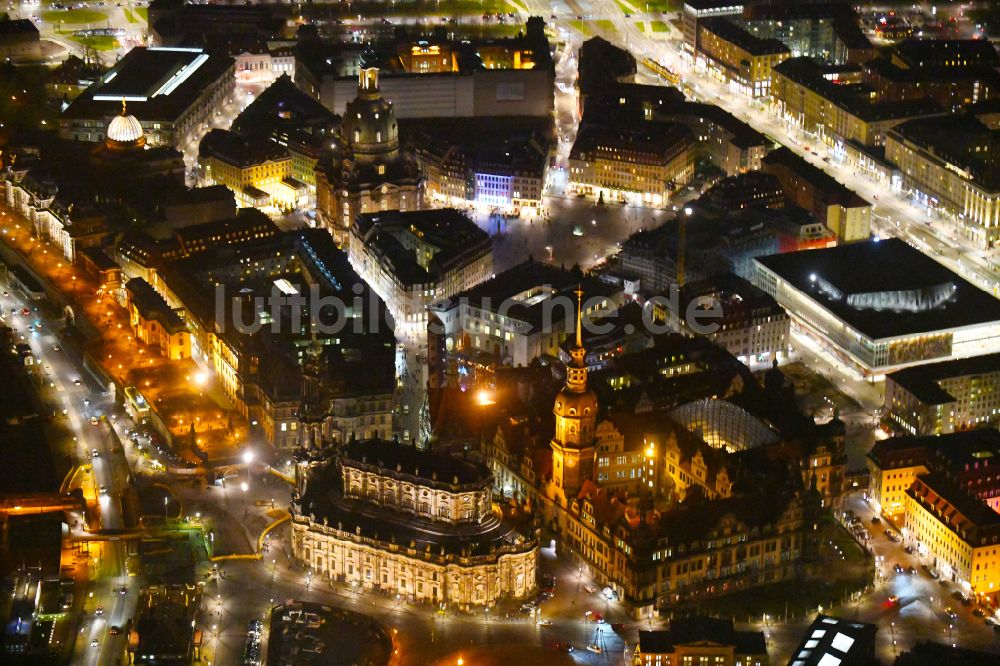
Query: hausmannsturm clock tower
x,y
573,449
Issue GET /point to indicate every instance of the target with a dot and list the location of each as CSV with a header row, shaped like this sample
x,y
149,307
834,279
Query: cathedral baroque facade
x,y
386,516
366,172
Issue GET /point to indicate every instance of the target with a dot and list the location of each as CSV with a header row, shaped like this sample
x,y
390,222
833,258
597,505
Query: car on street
x,y
909,550
104,489
77,382
95,454
898,568
94,643
99,610
876,520
891,536
911,570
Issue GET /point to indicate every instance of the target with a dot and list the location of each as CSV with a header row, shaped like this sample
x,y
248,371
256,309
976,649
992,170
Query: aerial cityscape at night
x,y
500,332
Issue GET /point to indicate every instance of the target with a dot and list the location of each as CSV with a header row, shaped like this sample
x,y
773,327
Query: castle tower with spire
x,y
573,447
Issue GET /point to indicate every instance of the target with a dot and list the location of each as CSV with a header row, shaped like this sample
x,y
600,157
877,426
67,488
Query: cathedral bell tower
x,y
573,448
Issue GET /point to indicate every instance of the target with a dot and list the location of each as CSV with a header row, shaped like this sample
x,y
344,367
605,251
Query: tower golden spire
x,y
579,316
124,110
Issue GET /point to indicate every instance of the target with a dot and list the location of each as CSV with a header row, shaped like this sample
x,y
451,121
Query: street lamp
x,y
165,501
247,459
244,487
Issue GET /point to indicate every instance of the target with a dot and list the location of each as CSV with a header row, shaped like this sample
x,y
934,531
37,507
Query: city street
x,y
67,388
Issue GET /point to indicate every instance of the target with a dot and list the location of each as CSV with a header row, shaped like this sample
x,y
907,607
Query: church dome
x,y
369,123
570,403
125,131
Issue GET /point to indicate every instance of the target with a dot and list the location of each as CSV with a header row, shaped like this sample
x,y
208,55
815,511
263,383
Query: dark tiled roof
x,y
834,189
922,380
958,139
428,465
240,151
734,34
698,629
151,305
931,52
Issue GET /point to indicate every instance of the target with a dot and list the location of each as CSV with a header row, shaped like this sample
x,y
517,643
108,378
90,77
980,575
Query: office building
x,y
950,163
950,507
496,162
939,398
736,57
850,298
643,164
820,100
501,77
830,202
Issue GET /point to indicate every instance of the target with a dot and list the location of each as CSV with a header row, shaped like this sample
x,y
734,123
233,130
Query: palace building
x,y
422,524
601,485
366,172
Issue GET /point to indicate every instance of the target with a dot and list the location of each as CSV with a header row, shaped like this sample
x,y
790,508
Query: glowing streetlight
x,y
484,398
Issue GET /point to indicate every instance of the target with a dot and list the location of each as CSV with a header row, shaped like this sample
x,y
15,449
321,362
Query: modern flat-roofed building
x,y
830,31
171,91
832,640
165,630
413,259
698,10
829,201
438,78
944,397
882,305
